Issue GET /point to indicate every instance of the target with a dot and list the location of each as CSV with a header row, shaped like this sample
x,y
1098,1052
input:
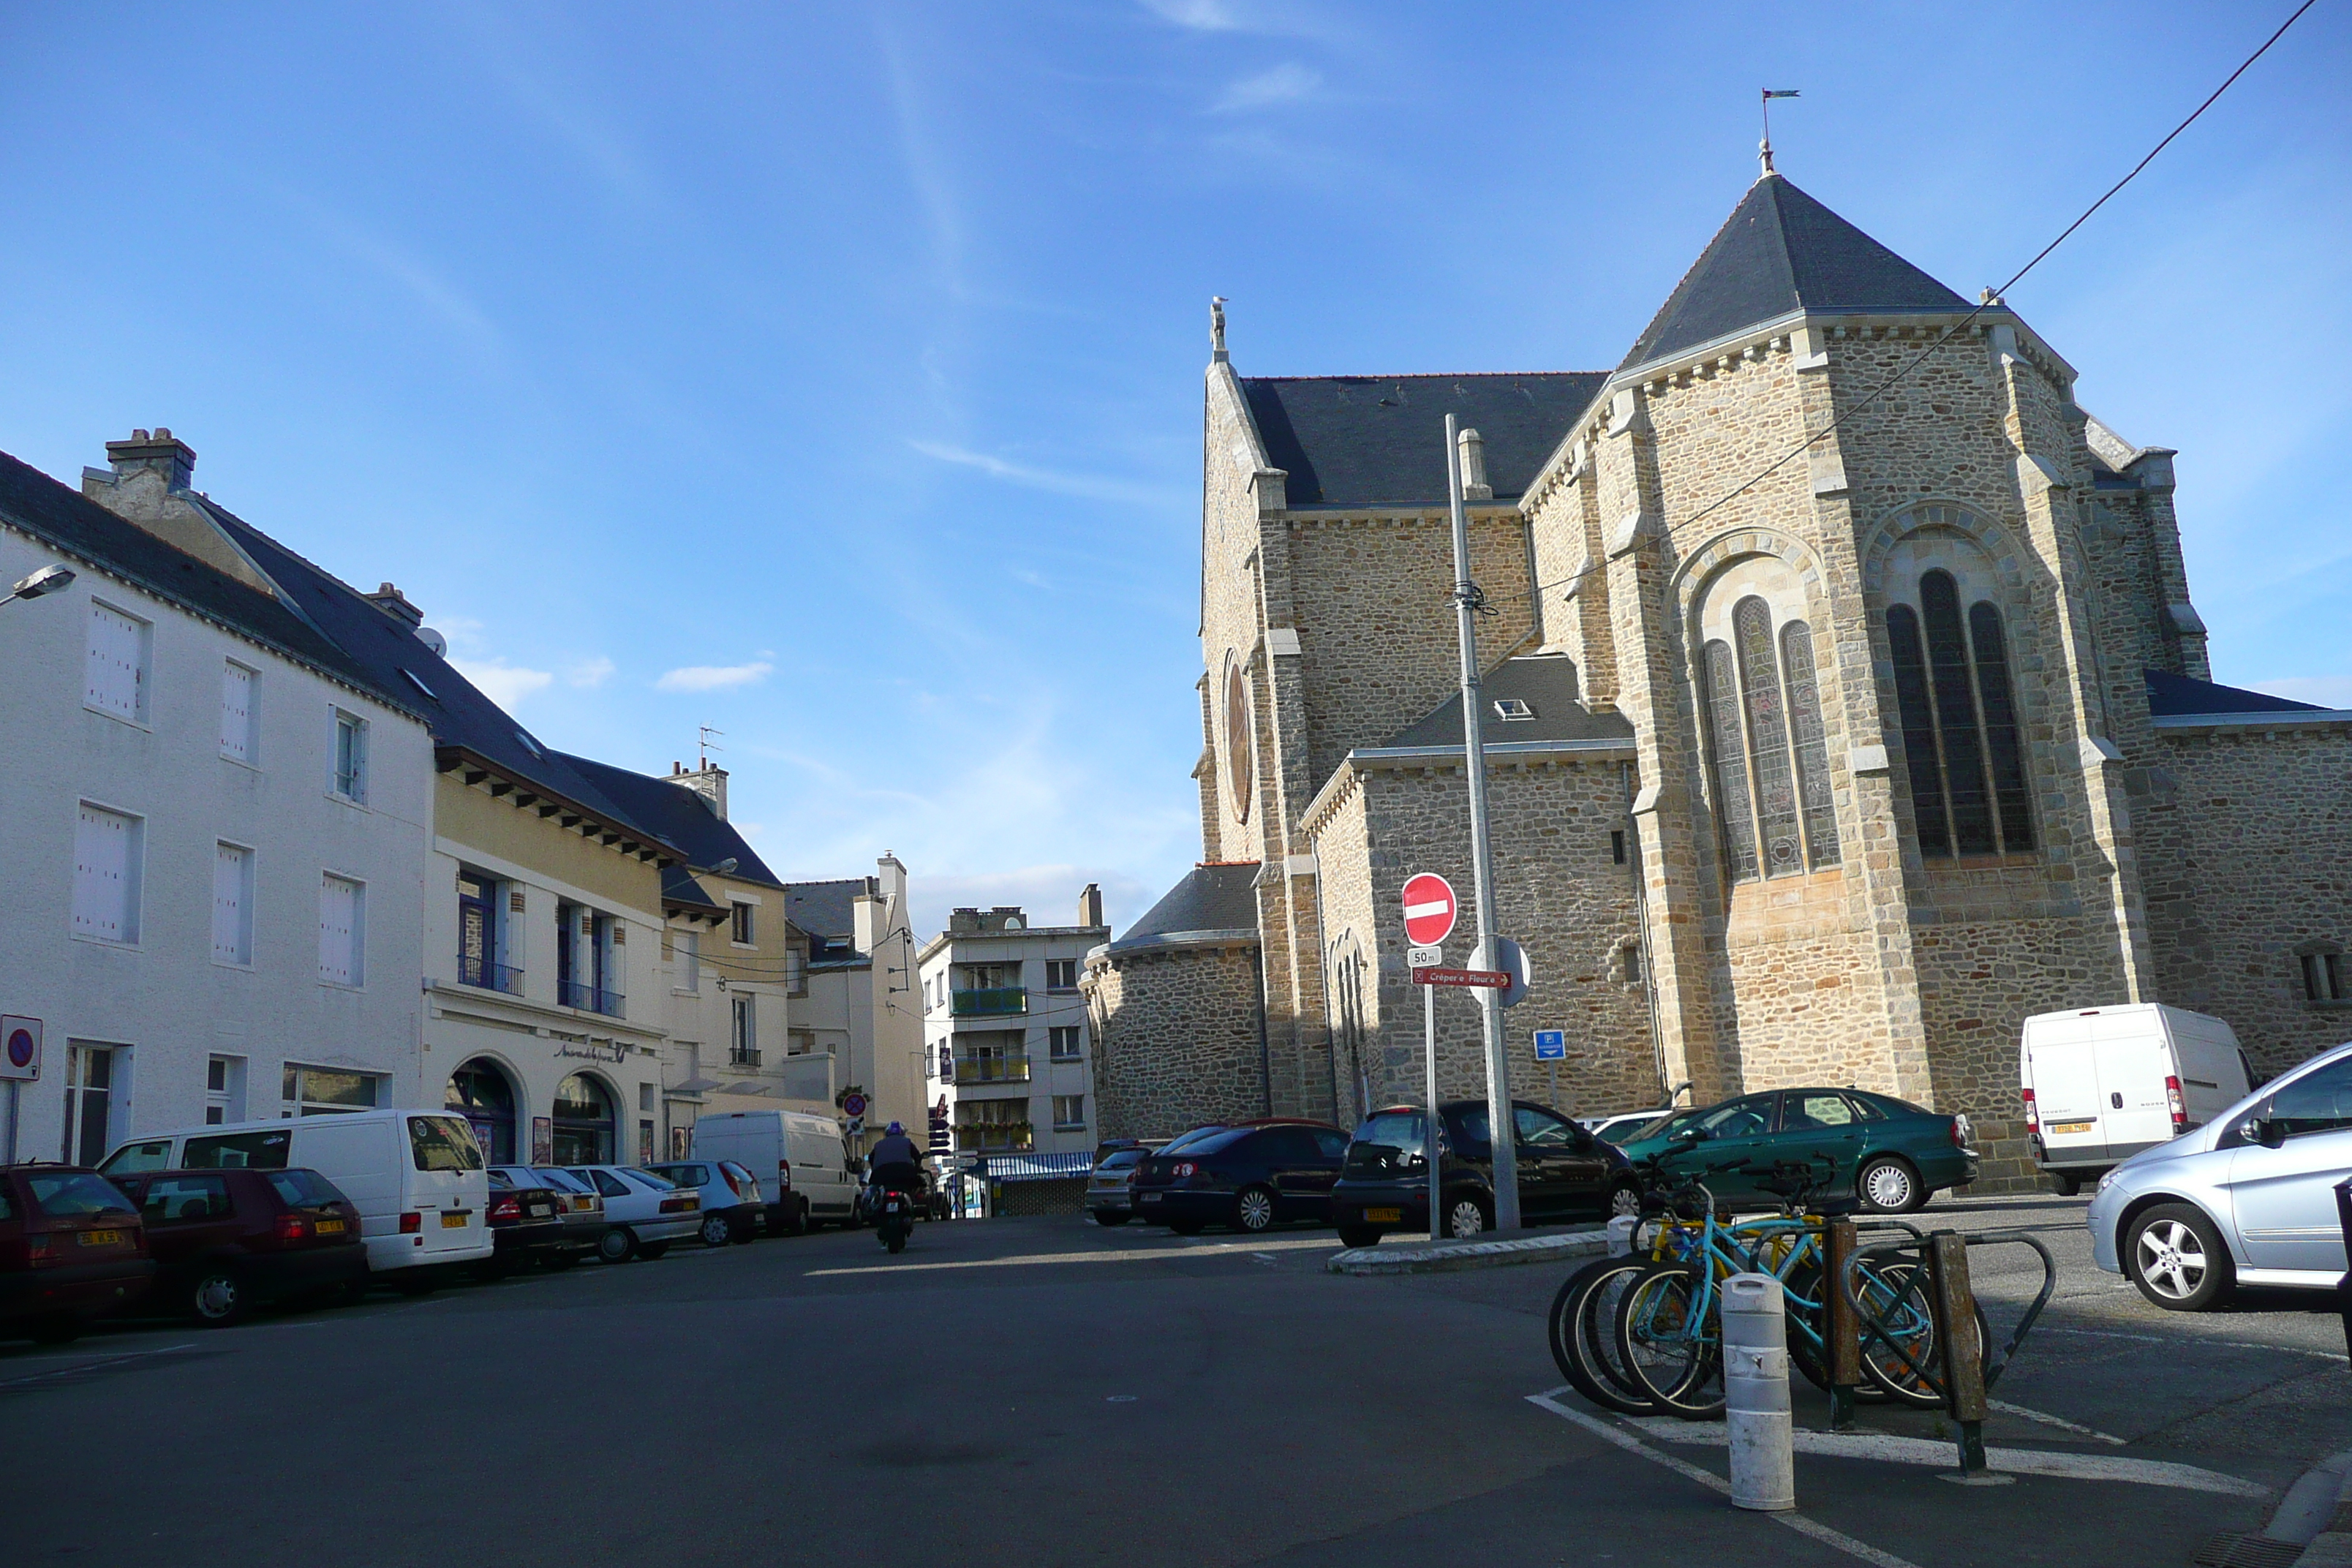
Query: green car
x,y
1894,1154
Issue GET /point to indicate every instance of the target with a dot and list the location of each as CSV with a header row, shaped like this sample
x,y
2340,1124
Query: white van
x,y
807,1154
415,1177
2102,1083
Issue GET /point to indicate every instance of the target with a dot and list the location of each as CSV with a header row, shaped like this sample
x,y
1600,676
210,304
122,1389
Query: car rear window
x,y
563,1181
500,1179
1190,1139
648,1179
178,1200
443,1143
72,1195
1392,1129
1216,1143
1124,1160
304,1189
685,1175
7,1202
238,1151
736,1171
154,1155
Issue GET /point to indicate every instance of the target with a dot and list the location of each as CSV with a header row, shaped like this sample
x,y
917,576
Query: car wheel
x,y
652,1250
1625,1201
1252,1210
716,1231
1360,1235
217,1299
2177,1257
1109,1216
494,1266
350,1293
562,1259
62,1328
1185,1226
796,1220
2070,1185
1466,1216
1889,1185
617,1245
415,1282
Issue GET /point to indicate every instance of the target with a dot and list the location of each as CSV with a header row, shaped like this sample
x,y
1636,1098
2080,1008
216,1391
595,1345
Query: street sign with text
x,y
1424,957
1429,909
1488,979
1551,1045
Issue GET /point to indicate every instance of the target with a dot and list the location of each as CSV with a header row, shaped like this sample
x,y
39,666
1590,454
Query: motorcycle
x,y
894,1218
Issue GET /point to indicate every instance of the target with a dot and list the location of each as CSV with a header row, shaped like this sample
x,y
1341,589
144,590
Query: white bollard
x,y
1756,1393
1621,1235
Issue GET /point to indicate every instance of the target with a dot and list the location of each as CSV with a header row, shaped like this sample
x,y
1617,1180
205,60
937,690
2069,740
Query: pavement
x,y
1043,1391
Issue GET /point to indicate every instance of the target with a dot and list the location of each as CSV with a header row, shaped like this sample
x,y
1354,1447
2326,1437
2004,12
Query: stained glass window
x,y
1812,752
1768,752
1731,762
1959,717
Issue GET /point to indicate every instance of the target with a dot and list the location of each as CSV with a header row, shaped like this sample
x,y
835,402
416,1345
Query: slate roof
x,y
2172,696
75,525
1358,440
678,887
1780,251
678,814
1212,897
1545,682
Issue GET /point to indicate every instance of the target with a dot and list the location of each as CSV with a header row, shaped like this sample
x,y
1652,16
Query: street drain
x,y
2247,1551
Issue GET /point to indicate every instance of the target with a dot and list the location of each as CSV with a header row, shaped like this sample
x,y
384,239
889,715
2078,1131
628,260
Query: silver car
x,y
2247,1199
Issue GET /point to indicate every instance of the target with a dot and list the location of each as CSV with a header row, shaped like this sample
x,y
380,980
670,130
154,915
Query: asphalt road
x,y
1043,1391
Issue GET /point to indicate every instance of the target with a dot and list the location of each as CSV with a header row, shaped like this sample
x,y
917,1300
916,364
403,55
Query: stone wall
x,y
1176,1033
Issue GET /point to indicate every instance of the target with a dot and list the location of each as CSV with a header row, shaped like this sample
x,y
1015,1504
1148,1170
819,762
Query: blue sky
x,y
830,374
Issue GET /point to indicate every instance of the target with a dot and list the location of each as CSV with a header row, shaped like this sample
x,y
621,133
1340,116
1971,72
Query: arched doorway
x,y
587,1123
481,1093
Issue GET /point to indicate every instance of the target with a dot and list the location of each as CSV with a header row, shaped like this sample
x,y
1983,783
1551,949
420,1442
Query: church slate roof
x,y
1379,440
2173,696
1780,251
1219,898
1546,683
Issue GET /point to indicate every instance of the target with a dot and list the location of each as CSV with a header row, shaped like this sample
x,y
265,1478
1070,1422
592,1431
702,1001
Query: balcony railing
x,y
995,1137
742,1055
1008,1001
475,970
590,999
991,1069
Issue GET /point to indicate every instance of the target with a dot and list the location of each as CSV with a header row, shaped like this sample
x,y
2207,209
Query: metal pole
x,y
1429,1127
16,1108
1501,1127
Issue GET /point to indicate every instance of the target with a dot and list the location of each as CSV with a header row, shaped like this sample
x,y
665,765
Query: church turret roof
x,y
1379,440
1780,251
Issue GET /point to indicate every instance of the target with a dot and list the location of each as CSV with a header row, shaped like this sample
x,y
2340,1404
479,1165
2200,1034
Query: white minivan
x,y
807,1152
415,1177
2102,1083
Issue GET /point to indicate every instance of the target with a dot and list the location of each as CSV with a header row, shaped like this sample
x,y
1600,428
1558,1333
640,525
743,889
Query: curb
x,y
1450,1256
2317,1511
2332,1547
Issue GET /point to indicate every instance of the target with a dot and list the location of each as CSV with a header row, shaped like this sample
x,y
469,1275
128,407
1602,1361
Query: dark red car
x,y
226,1241
72,1247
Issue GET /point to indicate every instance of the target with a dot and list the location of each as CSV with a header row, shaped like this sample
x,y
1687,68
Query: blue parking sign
x,y
1551,1045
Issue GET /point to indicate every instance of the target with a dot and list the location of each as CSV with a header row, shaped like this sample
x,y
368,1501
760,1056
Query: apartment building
x,y
1008,1060
211,821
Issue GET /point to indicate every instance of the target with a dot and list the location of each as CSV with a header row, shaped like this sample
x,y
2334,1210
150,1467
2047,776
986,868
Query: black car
x,y
1249,1176
1565,1172
528,1223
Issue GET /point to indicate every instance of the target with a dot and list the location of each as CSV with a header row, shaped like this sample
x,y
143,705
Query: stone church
x,y
1820,763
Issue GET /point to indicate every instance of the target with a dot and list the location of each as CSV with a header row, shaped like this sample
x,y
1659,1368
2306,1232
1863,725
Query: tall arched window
x,y
1959,719
587,1123
1767,751
480,1093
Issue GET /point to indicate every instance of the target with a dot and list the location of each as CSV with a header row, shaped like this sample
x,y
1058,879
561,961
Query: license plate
x,y
541,1211
1151,1197
1384,1217
2071,1126
102,1237
329,1227
454,1221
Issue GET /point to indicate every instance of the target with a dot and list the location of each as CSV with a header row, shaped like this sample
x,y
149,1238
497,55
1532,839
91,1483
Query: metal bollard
x,y
1756,1393
1621,1235
1838,1323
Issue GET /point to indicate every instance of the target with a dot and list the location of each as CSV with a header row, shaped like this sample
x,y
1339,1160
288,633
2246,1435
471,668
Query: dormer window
x,y
1511,709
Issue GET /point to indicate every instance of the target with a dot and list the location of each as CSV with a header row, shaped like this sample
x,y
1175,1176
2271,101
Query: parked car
x,y
2247,1199
417,1177
72,1247
731,1204
810,1160
2102,1083
1623,1124
577,1200
227,1241
1250,1176
642,1212
526,1227
1565,1172
1895,1154
1110,1185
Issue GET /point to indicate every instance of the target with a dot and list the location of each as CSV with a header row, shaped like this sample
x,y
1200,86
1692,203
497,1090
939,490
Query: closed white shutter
x,y
237,712
339,932
114,662
232,920
104,876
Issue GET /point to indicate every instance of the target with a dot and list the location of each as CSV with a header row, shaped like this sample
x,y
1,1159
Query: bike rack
x,y
1961,1382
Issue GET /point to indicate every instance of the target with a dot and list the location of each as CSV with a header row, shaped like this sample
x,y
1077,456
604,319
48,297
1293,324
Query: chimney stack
x,y
1473,447
710,782
394,603
162,454
1090,910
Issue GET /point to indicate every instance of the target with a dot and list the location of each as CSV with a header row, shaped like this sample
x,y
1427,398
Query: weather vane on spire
x,y
1764,147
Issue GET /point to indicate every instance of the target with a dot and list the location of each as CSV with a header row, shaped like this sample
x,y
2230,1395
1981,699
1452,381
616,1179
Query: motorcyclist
x,y
895,1164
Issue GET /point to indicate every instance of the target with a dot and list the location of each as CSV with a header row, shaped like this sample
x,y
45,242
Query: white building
x,y
858,1008
1009,1061
212,821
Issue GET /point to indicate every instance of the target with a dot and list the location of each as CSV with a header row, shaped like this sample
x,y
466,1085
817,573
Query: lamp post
x,y
48,580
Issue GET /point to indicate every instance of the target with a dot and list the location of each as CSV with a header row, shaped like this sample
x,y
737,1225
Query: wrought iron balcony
x,y
742,1055
475,970
1010,1001
995,1137
991,1069
590,999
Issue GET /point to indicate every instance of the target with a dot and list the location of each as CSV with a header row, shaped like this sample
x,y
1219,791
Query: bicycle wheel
x,y
1670,1340
1583,1335
1898,1295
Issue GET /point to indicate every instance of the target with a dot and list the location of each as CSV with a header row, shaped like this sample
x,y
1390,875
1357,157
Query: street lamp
x,y
48,580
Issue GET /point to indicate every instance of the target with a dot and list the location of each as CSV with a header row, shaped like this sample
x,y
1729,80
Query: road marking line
x,y
2048,1420
93,1365
1943,1455
1713,1482
1212,1249
2196,1339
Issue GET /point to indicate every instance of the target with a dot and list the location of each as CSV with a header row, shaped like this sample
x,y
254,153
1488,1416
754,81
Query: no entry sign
x,y
1429,909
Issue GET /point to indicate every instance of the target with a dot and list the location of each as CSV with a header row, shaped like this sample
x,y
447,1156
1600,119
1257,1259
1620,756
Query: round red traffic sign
x,y
1429,909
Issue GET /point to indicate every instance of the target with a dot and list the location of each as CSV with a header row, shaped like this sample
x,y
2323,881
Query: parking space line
x,y
1608,1432
1136,1254
2058,1421
98,1364
2195,1338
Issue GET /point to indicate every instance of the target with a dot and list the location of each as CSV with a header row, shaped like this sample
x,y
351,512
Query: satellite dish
x,y
434,640
727,867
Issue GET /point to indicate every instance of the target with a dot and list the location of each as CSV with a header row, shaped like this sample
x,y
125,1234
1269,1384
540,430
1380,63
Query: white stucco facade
x,y
1009,1048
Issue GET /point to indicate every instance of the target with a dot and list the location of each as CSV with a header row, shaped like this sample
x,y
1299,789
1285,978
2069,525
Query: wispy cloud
x,y
1092,487
591,673
503,683
713,677
1285,83
1201,16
